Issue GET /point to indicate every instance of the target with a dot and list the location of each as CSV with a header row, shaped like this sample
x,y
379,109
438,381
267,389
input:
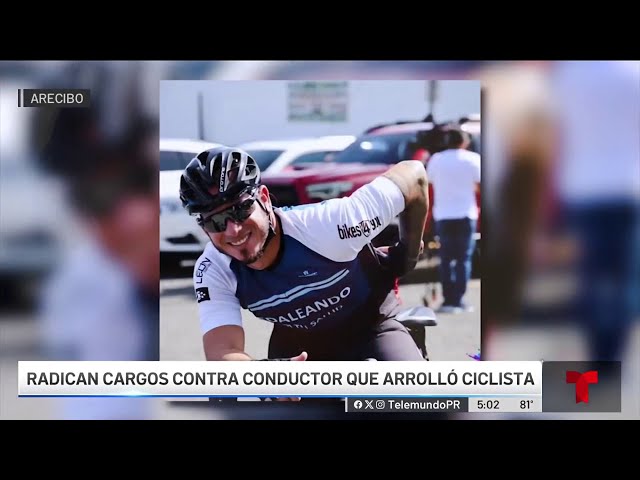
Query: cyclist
x,y
308,269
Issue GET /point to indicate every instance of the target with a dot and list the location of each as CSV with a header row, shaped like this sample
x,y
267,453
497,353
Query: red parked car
x,y
369,156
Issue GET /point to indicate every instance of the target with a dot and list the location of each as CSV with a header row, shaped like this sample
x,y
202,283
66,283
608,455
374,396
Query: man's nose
x,y
233,228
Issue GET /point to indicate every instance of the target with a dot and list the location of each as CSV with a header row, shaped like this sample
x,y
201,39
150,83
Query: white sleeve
x,y
215,286
431,167
476,168
339,228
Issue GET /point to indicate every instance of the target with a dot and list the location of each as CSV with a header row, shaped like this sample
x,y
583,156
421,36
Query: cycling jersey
x,y
326,274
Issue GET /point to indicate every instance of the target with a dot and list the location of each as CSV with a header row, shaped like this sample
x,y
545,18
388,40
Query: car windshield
x,y
314,157
376,149
264,157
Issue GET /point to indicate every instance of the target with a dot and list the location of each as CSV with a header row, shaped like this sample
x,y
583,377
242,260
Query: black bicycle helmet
x,y
217,176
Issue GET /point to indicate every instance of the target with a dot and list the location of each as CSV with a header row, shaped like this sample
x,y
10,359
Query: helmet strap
x,y
272,228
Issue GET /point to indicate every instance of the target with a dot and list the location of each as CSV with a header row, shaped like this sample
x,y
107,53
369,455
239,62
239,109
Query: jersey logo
x,y
297,292
201,269
307,273
286,208
202,294
365,227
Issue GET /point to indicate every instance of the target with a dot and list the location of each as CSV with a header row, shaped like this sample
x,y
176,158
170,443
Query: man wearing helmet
x,y
231,179
309,269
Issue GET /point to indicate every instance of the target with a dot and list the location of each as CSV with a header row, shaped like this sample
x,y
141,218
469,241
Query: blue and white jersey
x,y
323,277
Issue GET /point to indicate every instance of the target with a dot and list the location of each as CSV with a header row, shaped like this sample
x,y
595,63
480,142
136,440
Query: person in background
x,y
455,176
597,180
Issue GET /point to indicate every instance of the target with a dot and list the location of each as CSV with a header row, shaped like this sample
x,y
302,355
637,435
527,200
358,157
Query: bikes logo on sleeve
x,y
365,228
202,267
202,294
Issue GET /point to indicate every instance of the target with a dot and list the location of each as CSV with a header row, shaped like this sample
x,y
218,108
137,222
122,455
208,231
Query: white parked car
x,y
276,155
179,232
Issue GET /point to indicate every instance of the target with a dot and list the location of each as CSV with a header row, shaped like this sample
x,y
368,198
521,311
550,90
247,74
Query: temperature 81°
x,y
526,404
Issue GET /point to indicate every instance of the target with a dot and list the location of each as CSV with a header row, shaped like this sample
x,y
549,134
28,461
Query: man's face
x,y
244,240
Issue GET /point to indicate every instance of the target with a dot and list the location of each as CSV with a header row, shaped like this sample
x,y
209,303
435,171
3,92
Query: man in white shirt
x,y
455,175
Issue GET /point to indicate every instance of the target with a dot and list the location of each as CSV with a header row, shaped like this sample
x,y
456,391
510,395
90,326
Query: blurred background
x,y
79,211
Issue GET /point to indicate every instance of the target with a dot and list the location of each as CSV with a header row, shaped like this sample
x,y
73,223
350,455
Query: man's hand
x,y
385,249
298,358
396,259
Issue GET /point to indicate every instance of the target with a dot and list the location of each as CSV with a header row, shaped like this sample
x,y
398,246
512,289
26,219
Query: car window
x,y
170,160
313,157
187,157
376,149
264,157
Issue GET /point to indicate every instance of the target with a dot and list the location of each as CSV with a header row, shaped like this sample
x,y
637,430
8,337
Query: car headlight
x,y
170,205
326,191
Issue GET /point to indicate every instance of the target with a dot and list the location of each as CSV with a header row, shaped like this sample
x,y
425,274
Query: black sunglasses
x,y
238,213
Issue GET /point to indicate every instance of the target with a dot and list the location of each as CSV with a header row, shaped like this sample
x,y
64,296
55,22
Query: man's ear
x,y
265,198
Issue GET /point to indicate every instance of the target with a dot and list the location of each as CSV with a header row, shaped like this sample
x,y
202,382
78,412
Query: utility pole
x,y
200,117
432,97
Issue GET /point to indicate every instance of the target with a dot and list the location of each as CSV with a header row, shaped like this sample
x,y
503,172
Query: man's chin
x,y
254,258
247,256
